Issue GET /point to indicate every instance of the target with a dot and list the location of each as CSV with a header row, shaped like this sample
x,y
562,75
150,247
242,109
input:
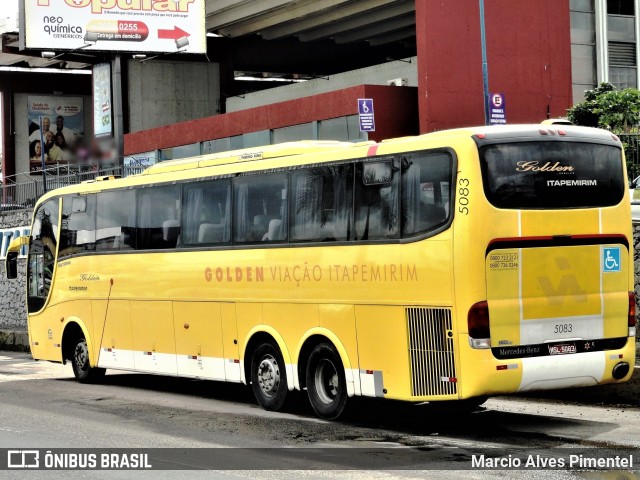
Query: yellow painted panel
x,y
46,331
503,295
561,281
340,319
116,325
230,338
383,345
248,315
291,321
198,329
479,376
615,287
152,327
560,222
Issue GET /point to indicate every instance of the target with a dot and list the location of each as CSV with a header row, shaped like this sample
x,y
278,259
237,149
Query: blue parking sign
x,y
365,115
611,259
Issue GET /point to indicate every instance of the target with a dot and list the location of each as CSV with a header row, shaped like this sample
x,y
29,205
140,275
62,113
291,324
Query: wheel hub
x,y
80,355
327,382
269,375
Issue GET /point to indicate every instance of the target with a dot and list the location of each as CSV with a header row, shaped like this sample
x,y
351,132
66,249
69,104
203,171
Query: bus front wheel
x,y
326,384
269,377
84,372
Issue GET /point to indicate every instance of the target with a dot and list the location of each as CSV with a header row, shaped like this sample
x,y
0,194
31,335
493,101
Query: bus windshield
x,y
552,174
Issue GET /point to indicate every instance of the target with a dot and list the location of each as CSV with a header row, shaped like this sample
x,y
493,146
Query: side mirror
x,y
11,262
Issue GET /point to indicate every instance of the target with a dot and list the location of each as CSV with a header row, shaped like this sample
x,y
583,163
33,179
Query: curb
x,y
14,340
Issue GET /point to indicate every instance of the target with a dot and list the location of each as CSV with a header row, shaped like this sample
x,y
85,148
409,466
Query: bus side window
x,y
377,206
207,213
321,204
158,223
78,233
426,199
260,208
116,220
42,255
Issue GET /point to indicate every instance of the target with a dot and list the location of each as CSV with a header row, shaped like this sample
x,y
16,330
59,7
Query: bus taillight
x,y
632,314
478,323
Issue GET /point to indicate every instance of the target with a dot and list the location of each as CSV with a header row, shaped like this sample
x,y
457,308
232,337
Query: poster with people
x,y
62,120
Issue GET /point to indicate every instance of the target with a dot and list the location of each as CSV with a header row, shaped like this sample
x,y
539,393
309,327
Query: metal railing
x,y
24,189
631,143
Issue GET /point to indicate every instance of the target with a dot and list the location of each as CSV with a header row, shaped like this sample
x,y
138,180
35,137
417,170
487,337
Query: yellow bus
x,y
449,266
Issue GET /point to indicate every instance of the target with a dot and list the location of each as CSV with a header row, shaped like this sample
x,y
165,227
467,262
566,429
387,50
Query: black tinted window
x,y
116,220
377,205
158,218
207,213
552,174
78,233
42,254
426,180
322,203
260,208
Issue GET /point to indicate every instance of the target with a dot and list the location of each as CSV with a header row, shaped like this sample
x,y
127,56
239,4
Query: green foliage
x,y
605,107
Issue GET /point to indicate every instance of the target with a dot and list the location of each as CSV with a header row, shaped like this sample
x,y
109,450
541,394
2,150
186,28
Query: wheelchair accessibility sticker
x,y
611,259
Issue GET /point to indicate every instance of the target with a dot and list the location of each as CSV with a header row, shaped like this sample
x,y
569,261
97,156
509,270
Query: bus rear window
x,y
552,174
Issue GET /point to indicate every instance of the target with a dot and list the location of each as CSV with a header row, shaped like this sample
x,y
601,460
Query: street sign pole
x,y
485,69
42,157
118,122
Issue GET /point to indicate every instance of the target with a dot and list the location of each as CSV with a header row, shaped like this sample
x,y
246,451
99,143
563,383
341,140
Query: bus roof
x,y
249,154
276,156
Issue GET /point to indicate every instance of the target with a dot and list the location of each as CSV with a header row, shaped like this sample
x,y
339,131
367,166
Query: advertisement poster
x,y
102,110
62,132
161,26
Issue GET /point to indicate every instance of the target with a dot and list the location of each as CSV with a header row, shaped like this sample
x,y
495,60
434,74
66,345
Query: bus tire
x,y
269,377
326,384
84,372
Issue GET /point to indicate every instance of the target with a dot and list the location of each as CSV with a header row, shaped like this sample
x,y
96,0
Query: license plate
x,y
562,349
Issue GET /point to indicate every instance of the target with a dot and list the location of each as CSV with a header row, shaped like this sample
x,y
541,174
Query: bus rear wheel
x,y
84,372
269,377
326,384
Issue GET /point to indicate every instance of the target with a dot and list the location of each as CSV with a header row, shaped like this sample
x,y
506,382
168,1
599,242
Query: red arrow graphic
x,y
174,34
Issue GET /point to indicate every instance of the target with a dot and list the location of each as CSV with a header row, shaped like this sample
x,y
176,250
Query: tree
x,y
605,107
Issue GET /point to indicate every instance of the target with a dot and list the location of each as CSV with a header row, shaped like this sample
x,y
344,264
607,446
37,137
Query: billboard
x,y
62,131
102,109
162,26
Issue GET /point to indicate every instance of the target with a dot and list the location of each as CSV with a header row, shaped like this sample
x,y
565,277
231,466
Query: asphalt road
x,y
41,406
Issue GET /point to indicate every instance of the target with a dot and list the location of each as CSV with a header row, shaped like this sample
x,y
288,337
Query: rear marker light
x,y
481,136
543,132
561,132
478,324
